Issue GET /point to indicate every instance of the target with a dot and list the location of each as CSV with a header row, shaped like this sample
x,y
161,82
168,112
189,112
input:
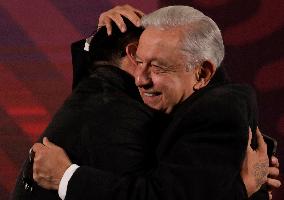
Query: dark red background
x,y
35,63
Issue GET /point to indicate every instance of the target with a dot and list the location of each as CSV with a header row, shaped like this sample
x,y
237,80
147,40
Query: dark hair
x,y
112,48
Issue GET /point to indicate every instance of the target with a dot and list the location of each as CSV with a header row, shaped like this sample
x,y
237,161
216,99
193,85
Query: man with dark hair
x,y
101,48
103,124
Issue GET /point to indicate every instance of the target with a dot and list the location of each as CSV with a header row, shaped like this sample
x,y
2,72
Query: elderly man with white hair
x,y
212,148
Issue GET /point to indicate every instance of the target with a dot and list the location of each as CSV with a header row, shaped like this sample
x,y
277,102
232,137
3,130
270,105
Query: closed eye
x,y
138,61
159,69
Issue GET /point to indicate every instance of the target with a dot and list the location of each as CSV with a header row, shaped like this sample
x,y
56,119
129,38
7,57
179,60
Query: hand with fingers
x,y
115,15
272,181
255,166
50,163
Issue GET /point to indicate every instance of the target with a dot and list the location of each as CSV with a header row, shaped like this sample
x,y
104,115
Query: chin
x,y
155,107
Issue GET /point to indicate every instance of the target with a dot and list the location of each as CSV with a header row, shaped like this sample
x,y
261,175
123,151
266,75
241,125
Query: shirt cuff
x,y
65,179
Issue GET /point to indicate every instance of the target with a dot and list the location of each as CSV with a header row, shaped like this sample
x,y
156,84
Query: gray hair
x,y
202,38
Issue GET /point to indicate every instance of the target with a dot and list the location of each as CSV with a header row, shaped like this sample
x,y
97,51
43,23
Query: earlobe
x,y
204,74
131,51
198,85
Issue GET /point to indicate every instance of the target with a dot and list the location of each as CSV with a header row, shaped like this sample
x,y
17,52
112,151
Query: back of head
x,y
202,39
110,49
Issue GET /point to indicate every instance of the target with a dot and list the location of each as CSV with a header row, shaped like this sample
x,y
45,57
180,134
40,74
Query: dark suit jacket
x,y
80,61
104,125
199,156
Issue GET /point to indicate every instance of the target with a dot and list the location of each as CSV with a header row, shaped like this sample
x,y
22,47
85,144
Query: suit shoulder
x,y
227,102
235,90
128,106
228,95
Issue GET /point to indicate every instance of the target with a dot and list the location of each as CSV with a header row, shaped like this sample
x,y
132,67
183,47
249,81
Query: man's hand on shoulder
x,y
50,163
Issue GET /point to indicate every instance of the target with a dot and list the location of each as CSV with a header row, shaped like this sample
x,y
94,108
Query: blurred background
x,y
36,71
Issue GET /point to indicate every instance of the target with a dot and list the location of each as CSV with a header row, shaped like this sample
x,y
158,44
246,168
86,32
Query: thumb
x,y
47,143
262,147
249,140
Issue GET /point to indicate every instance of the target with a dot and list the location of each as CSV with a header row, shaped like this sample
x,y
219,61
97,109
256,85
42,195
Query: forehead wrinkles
x,y
160,43
171,54
157,35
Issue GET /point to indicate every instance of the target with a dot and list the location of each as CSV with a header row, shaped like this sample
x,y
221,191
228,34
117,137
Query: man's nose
x,y
142,76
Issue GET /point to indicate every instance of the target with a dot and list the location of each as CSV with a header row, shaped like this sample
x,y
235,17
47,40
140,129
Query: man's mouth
x,y
151,98
151,94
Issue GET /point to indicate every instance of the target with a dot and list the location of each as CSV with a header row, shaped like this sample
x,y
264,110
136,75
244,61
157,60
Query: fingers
x,y
115,15
139,13
270,195
106,19
249,140
108,26
132,16
40,171
273,183
39,151
37,170
262,147
118,20
37,147
273,171
47,143
274,162
44,184
42,181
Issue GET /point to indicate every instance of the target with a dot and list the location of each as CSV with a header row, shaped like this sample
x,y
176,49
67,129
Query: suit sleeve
x,y
201,158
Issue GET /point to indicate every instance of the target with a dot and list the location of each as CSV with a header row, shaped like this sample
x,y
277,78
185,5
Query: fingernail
x,y
123,29
45,140
138,23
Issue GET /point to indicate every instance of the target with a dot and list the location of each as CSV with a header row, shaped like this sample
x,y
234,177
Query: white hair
x,y
202,39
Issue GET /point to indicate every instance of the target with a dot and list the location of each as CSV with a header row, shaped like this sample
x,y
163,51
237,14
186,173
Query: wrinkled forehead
x,y
175,33
161,38
161,45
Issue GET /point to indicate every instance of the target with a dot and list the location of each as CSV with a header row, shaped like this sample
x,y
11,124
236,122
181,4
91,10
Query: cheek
x,y
162,82
175,90
168,86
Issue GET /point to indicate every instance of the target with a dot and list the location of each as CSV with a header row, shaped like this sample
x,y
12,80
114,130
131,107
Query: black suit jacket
x,y
80,61
104,125
199,156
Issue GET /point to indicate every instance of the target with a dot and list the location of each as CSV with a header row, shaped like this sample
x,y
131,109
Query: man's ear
x,y
131,51
204,73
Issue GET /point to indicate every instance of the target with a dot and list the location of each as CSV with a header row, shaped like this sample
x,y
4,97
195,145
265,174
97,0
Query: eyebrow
x,y
161,62
155,60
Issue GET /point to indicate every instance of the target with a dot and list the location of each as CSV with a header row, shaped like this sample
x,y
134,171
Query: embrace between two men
x,y
180,130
